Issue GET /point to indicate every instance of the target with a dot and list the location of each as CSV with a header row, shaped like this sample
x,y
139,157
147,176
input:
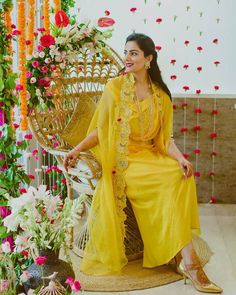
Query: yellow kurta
x,y
165,205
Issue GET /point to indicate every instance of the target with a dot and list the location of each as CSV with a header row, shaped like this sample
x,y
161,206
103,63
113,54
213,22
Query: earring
x,y
147,65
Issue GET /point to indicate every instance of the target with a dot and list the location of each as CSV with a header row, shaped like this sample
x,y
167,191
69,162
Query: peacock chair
x,y
75,96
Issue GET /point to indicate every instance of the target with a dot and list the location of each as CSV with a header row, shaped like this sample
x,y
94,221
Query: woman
x,y
131,136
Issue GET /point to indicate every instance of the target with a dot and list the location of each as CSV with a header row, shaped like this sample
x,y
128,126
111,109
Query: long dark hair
x,y
147,45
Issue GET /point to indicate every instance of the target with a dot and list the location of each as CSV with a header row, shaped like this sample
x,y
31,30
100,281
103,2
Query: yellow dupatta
x,y
105,251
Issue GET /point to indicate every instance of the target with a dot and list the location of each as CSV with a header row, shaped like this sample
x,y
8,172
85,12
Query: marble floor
x,y
218,224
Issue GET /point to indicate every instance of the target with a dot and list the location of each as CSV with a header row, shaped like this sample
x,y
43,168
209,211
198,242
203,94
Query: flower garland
x,y
46,19
22,61
57,5
30,35
8,24
56,52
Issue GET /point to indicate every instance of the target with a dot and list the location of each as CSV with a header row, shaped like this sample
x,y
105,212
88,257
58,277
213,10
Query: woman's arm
x,y
89,142
185,165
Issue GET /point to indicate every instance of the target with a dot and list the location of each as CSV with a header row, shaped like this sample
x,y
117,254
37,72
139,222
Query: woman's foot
x,y
200,281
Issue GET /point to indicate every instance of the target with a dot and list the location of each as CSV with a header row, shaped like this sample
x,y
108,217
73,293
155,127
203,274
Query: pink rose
x,y
4,211
40,260
53,67
70,281
44,82
28,136
19,87
28,74
76,286
35,64
39,48
44,69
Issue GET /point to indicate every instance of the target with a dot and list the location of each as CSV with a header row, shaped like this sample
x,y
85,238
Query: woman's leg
x,y
192,269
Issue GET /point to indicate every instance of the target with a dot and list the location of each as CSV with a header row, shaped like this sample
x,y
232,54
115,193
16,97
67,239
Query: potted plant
x,y
44,221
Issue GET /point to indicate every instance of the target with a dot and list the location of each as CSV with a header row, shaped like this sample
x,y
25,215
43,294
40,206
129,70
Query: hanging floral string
x,y
46,16
8,24
213,136
30,33
21,87
184,129
57,5
197,128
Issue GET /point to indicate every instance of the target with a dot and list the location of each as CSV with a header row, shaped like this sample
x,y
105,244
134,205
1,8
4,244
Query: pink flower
x,y
133,9
28,74
35,64
40,260
53,67
44,152
16,33
61,19
70,281
4,285
44,82
76,287
63,181
4,211
105,22
107,12
25,276
56,143
39,47
28,136
44,69
48,93
19,87
22,190
16,125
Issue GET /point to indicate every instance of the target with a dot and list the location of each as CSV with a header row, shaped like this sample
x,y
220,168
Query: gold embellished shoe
x,y
201,282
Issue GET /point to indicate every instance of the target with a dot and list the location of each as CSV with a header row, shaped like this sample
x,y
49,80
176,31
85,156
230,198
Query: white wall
x,y
171,35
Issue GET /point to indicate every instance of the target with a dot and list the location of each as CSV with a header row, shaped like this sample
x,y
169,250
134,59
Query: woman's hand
x,y
186,167
70,159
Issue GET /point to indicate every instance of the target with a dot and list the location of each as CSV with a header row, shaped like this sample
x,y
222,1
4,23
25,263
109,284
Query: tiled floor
x,y
219,230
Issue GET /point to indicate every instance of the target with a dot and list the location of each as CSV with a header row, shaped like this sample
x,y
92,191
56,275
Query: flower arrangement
x,y
44,219
56,52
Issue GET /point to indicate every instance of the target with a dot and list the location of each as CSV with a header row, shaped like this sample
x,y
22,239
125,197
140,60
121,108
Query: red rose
x,y
40,260
216,62
173,61
158,20
197,174
215,112
185,66
44,82
47,40
215,40
22,190
185,155
186,42
184,104
212,200
174,106
213,135
133,9
199,68
28,136
61,19
197,151
185,88
31,176
198,91
105,22
107,12
158,48
184,129
198,110
216,87
199,48
197,128
173,77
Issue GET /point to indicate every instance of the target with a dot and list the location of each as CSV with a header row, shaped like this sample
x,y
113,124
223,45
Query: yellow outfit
x,y
133,142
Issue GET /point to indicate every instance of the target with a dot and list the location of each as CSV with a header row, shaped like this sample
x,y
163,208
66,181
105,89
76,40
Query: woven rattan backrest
x,y
82,82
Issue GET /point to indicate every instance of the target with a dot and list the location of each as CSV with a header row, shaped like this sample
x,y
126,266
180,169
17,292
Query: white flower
x,y
37,170
12,221
38,92
32,80
61,40
41,54
6,247
35,54
25,276
62,66
28,56
21,242
48,60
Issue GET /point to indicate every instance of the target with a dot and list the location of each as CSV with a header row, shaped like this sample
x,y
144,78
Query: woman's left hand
x,y
186,167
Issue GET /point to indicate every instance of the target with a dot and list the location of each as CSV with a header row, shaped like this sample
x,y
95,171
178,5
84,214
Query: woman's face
x,y
134,58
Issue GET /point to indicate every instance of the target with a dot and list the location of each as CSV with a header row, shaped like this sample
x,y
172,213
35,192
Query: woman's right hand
x,y
70,159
